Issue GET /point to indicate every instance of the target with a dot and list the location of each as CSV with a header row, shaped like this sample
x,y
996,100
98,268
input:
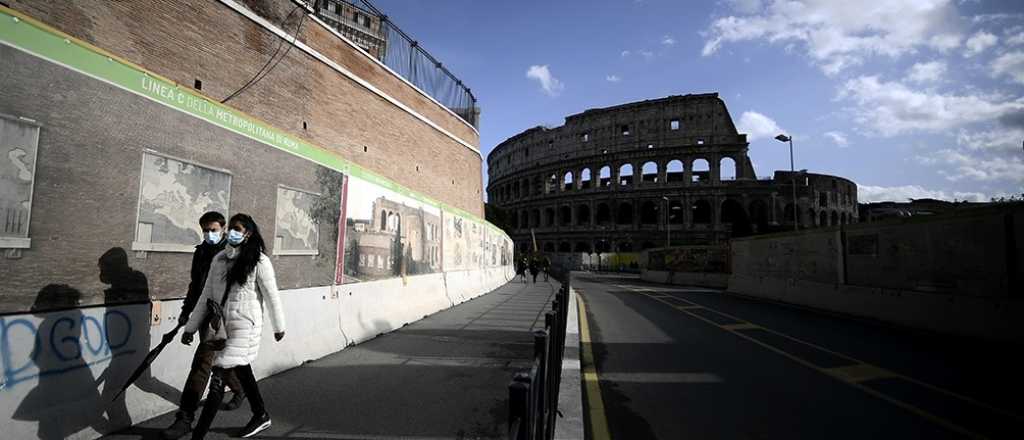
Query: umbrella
x,y
148,360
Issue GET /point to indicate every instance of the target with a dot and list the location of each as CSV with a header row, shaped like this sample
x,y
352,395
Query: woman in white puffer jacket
x,y
244,267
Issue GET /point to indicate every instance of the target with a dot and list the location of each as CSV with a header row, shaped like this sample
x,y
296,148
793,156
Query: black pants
x,y
199,377
216,396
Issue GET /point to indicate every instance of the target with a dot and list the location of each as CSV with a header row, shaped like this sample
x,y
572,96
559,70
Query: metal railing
x,y
405,56
533,394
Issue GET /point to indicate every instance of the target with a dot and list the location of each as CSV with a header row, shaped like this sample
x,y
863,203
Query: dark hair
x,y
249,252
212,216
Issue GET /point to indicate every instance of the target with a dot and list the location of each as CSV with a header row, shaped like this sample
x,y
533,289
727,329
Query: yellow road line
x,y
843,379
598,420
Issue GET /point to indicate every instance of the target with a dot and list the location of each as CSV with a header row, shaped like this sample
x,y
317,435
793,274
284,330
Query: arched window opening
x,y
583,215
549,247
625,214
835,219
649,211
700,171
733,214
759,215
583,247
585,180
675,212
564,215
649,172
567,181
605,176
564,247
549,217
626,175
551,184
647,245
787,213
625,246
727,169
604,214
701,212
535,218
383,220
674,171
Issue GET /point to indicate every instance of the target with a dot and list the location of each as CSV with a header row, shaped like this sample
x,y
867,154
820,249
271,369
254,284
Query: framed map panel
x,y
19,141
173,194
296,233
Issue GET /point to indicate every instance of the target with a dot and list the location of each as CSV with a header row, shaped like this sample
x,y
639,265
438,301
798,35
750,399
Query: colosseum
x,y
640,175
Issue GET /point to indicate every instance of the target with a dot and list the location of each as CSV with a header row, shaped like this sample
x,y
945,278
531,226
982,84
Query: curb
x,y
569,422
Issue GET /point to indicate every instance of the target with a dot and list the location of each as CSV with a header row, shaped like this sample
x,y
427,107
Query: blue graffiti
x,y
62,340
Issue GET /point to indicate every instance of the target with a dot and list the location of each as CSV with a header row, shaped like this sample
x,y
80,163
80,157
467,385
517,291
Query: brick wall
x,y
206,40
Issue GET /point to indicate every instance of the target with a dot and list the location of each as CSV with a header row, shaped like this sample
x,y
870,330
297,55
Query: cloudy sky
x,y
908,98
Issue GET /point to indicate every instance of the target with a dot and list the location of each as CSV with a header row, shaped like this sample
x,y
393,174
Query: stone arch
x,y
567,180
582,247
822,218
626,174
649,172
583,214
564,247
526,187
535,218
624,216
602,246
700,171
701,212
727,169
649,211
787,213
675,212
549,247
564,215
585,179
674,171
758,214
603,216
834,219
524,219
604,176
549,216
383,220
552,184
732,212
515,220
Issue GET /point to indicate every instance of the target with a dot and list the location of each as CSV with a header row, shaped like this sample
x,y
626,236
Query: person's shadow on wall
x,y
127,286
66,399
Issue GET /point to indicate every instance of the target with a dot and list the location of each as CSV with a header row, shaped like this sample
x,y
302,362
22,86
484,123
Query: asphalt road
x,y
691,363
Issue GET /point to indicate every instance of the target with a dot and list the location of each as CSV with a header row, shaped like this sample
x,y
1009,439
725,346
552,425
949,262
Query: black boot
x,y
213,401
182,425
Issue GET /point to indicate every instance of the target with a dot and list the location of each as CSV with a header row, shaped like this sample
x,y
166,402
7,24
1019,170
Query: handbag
x,y
216,327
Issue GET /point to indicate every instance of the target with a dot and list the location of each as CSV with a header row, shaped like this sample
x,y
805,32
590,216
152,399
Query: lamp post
x,y
668,230
792,173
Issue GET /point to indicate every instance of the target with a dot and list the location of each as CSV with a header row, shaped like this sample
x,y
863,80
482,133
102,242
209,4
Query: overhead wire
x,y
264,71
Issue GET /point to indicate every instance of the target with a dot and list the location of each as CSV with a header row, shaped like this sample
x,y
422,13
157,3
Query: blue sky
x,y
908,98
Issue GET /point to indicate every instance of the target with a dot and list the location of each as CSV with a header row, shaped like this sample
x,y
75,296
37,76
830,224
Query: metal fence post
x,y
540,352
519,407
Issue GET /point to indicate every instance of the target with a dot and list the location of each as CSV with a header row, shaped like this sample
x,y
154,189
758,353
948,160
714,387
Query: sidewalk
x,y
443,377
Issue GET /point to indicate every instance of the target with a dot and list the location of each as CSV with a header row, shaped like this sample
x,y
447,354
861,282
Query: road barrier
x,y
533,394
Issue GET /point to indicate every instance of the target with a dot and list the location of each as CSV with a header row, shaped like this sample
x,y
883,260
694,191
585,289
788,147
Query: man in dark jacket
x,y
212,224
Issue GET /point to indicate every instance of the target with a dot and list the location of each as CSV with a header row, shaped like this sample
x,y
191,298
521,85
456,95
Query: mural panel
x,y
297,232
388,235
19,141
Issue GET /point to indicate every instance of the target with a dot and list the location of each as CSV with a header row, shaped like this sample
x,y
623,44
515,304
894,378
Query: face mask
x,y
235,238
213,237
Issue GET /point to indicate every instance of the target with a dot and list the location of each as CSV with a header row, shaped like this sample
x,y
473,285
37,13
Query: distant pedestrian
x,y
244,274
213,226
534,269
521,269
545,266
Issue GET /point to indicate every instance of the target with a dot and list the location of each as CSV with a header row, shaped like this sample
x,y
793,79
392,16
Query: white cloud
x,y
746,6
836,35
927,72
978,42
757,126
976,168
1003,139
648,55
624,53
892,108
1015,40
1010,64
548,83
838,138
612,78
668,40
870,193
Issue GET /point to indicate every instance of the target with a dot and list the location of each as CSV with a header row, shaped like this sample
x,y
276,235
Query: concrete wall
x,y
958,273
61,369
702,279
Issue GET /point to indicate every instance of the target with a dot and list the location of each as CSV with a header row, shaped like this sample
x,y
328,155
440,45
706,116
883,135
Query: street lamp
x,y
792,173
668,230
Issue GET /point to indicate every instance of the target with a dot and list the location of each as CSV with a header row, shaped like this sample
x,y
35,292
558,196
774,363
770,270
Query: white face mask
x,y
235,238
213,237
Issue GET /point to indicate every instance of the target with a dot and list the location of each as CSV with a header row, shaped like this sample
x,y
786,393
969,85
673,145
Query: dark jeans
x,y
216,396
199,376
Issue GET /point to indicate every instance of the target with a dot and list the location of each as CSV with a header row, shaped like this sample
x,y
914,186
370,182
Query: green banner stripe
x,y
38,39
